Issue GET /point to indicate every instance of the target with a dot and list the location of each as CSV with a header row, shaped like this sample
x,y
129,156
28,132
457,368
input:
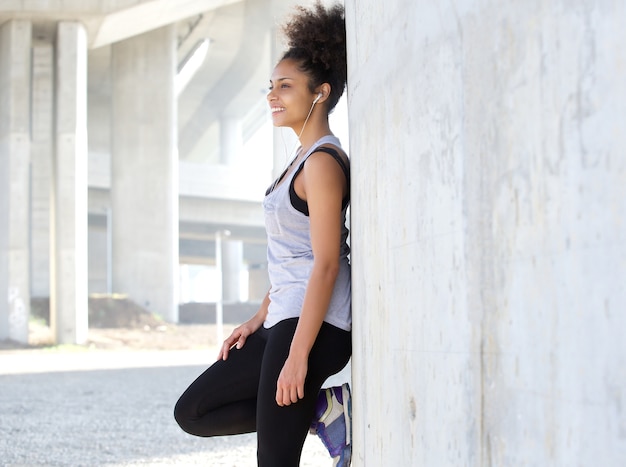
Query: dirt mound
x,y
115,322
105,311
119,312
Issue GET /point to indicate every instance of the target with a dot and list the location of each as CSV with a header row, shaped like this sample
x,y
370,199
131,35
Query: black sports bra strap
x,y
300,204
335,155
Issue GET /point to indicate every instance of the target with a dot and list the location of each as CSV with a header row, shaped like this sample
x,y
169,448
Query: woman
x,y
271,368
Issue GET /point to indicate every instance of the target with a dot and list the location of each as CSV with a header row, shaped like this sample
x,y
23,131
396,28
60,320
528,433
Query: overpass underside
x,y
133,134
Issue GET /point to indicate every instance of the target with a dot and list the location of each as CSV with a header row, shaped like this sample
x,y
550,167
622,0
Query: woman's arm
x,y
324,186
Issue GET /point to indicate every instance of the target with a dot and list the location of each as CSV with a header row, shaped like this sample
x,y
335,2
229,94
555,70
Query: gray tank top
x,y
290,256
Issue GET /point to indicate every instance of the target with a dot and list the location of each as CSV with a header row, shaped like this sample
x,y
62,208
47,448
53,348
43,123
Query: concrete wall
x,y
489,245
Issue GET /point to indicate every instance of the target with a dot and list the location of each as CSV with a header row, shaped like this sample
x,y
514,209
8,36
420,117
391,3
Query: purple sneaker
x,y
333,423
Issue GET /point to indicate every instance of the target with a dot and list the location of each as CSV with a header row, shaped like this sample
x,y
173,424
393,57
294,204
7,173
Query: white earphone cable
x,y
290,155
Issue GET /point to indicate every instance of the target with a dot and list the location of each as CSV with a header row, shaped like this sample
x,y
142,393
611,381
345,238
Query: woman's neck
x,y
313,133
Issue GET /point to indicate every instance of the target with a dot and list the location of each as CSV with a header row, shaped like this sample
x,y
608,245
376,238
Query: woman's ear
x,y
324,90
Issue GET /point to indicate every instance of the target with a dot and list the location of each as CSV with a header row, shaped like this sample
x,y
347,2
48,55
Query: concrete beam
x,y
196,210
150,15
215,211
223,96
111,21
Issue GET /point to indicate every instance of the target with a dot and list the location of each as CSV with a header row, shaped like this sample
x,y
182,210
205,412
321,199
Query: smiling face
x,y
290,98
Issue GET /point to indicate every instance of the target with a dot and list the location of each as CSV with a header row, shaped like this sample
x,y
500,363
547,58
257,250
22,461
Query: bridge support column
x,y
231,140
15,42
232,265
258,283
144,171
68,297
42,158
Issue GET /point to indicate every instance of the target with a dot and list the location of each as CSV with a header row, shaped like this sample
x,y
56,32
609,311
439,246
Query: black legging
x,y
239,395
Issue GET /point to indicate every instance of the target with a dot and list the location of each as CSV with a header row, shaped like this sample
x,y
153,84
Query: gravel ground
x,y
110,404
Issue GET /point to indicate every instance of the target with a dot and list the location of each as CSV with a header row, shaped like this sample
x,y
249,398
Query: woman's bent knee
x,y
184,419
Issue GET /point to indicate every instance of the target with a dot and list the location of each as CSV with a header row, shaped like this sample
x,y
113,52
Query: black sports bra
x,y
300,204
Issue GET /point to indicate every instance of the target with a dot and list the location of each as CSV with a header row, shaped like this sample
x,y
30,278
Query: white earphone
x,y
319,96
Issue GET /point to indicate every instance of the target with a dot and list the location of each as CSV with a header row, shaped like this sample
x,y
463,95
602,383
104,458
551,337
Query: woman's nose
x,y
270,95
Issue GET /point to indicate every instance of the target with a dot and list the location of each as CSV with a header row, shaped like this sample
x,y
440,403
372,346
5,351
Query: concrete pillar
x,y
258,283
232,265
15,43
144,172
42,155
488,232
231,140
68,300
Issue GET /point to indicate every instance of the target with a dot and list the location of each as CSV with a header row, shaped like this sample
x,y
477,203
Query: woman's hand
x,y
290,384
239,335
238,338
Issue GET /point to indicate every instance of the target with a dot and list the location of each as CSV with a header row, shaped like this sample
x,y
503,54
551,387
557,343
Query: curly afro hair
x,y
316,40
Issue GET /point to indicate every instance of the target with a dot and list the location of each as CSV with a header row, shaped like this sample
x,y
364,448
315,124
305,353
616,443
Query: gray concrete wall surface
x,y
489,249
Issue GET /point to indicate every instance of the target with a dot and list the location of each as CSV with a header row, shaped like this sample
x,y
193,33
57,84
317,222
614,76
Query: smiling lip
x,y
277,109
